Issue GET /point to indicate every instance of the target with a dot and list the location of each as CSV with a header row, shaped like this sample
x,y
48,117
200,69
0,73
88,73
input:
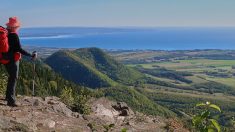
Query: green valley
x,y
191,76
164,83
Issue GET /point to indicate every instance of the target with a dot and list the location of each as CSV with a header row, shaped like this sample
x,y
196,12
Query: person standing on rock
x,y
14,56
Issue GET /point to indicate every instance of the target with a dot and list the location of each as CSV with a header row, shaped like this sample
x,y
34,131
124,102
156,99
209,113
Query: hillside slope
x,y
92,67
49,83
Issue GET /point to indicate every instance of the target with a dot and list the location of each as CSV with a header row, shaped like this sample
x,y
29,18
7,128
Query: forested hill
x,y
47,82
50,83
92,67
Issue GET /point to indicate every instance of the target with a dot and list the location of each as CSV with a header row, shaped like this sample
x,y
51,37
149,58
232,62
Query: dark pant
x,y
12,68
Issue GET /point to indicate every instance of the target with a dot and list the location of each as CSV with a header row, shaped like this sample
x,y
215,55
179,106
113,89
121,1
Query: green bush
x,y
76,99
67,96
204,122
80,101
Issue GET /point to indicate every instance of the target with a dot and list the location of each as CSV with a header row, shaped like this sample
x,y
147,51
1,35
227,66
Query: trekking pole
x,y
33,78
34,72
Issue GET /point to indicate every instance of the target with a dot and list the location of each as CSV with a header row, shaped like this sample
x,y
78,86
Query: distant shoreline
x,y
130,27
164,38
136,50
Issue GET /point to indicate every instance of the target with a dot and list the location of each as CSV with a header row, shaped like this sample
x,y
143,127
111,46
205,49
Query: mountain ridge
x,y
96,68
92,67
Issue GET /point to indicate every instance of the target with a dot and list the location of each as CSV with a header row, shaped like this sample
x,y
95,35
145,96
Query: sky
x,y
119,13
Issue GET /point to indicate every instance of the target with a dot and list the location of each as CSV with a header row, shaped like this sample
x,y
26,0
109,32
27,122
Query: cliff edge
x,y
50,114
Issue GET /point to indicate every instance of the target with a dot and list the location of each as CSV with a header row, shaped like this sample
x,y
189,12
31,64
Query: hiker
x,y
13,56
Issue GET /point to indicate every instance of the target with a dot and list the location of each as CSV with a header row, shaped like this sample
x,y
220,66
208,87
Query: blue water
x,y
130,38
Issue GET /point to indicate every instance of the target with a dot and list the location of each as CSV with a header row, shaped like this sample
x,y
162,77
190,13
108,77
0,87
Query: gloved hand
x,y
34,55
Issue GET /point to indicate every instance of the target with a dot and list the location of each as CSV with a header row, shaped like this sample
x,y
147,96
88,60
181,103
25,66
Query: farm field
x,y
203,70
186,79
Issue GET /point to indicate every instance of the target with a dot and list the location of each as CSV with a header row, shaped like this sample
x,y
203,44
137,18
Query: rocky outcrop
x,y
123,109
50,114
38,114
117,116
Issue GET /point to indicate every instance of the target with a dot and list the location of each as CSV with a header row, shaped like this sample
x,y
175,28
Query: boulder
x,y
57,106
62,108
123,109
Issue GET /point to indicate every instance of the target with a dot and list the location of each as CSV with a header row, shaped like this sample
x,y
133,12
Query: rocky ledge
x,y
50,114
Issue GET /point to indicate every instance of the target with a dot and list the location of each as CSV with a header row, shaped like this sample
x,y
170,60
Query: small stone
x,y
75,114
51,102
124,112
36,102
39,125
49,123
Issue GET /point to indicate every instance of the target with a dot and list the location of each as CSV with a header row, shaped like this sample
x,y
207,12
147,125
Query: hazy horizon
x,y
131,27
121,13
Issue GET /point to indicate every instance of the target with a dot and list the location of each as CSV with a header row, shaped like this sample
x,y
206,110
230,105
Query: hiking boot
x,y
12,104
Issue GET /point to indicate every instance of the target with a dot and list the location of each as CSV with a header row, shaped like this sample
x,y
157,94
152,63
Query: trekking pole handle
x,y
34,55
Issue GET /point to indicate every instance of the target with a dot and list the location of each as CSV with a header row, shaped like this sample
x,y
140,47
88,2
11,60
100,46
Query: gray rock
x,y
124,112
34,101
3,123
62,108
123,109
120,106
76,115
49,123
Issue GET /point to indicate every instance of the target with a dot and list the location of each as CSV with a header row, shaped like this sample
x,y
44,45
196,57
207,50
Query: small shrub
x,y
92,126
108,127
124,130
67,96
204,122
80,102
